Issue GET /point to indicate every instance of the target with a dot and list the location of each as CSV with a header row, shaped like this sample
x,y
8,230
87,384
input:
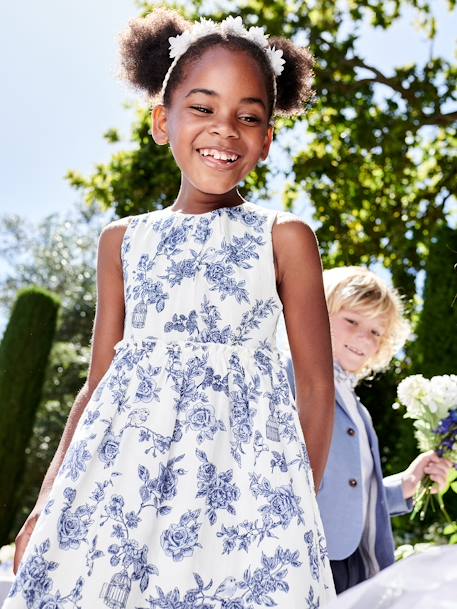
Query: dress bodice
x,y
207,278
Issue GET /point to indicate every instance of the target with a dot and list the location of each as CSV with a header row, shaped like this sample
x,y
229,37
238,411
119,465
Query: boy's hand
x,y
426,464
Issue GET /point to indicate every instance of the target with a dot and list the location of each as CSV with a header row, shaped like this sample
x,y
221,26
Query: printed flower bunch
x,y
432,403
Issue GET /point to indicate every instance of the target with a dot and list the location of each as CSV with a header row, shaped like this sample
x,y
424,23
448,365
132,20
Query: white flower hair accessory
x,y
229,26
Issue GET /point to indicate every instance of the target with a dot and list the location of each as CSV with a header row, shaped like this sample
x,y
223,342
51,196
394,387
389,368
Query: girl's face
x,y
356,338
217,124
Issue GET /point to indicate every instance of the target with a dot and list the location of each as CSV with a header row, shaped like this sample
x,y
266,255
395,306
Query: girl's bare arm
x,y
300,287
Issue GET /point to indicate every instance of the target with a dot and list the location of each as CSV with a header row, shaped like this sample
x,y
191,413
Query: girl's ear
x,y
267,144
160,125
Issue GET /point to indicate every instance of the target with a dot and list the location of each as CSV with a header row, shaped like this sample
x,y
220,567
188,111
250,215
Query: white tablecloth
x,y
422,581
5,584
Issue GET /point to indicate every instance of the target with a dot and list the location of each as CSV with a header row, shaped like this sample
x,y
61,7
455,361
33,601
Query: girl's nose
x,y
224,128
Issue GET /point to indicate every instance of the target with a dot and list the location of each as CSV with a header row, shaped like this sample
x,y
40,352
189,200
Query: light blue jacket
x,y
340,495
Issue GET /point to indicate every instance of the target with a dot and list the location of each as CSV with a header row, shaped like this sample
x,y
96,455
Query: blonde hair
x,y
358,289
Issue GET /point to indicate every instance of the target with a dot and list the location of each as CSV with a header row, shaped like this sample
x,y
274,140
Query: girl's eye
x,y
201,109
250,119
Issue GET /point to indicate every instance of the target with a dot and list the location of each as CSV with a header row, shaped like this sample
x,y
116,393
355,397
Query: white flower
x,y
258,36
180,44
276,60
412,392
443,394
204,27
233,25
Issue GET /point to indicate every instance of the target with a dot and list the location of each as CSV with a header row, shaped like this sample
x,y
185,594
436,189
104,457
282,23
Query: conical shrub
x,y
24,353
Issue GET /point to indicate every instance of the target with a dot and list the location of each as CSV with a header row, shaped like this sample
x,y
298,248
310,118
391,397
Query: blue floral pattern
x,y
187,484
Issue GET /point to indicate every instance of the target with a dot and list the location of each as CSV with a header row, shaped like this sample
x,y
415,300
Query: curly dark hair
x,y
145,61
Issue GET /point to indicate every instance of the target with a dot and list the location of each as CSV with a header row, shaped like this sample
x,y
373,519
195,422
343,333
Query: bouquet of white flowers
x,y
432,403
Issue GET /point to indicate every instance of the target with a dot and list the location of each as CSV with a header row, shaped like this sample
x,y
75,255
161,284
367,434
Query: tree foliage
x,y
24,351
375,156
435,348
59,253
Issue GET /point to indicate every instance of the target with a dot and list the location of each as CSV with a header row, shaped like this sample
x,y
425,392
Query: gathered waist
x,y
149,344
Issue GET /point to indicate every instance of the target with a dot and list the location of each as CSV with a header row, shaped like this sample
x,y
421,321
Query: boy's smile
x,y
217,126
356,338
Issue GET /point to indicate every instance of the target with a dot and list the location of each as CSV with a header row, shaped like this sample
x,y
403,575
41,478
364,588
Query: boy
x,y
368,328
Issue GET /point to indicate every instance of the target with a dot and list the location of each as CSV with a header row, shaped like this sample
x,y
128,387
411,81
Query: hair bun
x,y
144,48
294,84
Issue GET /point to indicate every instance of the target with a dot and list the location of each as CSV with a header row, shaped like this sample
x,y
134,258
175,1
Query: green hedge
x,y
24,352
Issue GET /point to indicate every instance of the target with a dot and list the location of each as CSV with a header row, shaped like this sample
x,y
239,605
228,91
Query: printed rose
x,y
221,495
190,598
179,541
48,602
145,391
284,504
215,272
207,472
35,567
240,412
243,432
176,237
249,218
71,530
200,417
35,575
108,449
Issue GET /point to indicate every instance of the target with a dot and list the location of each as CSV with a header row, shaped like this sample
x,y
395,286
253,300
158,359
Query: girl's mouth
x,y
221,157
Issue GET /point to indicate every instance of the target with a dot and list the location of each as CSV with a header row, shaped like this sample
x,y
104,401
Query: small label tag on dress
x,y
272,429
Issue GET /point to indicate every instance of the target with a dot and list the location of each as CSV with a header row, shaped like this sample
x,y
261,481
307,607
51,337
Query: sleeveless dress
x,y
187,484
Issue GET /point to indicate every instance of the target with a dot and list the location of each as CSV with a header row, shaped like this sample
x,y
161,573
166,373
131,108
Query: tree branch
x,y
394,83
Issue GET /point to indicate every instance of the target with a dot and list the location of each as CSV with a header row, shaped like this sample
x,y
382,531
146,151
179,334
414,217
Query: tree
x,y
435,349
60,253
378,162
24,352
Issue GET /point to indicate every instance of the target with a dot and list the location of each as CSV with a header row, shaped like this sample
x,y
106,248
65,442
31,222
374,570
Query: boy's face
x,y
356,338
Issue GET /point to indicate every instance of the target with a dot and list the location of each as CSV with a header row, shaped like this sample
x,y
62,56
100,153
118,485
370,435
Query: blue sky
x,y
60,92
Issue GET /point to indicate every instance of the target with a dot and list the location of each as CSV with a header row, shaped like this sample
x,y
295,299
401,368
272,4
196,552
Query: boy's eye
x,y
350,321
376,333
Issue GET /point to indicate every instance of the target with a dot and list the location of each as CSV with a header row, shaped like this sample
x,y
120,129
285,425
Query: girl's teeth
x,y
218,155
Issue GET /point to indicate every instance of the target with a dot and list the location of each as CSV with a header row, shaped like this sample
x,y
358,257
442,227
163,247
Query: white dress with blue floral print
x,y
187,483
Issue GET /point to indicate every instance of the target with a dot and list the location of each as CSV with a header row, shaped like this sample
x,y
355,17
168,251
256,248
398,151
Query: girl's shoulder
x,y
292,232
114,232
118,228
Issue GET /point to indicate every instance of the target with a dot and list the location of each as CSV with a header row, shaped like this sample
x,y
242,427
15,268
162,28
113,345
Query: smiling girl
x,y
183,479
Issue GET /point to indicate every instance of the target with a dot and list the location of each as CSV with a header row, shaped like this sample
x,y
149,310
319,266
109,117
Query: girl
x,y
182,479
368,328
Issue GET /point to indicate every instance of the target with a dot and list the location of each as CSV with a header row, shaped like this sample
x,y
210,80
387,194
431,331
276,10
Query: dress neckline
x,y
205,213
